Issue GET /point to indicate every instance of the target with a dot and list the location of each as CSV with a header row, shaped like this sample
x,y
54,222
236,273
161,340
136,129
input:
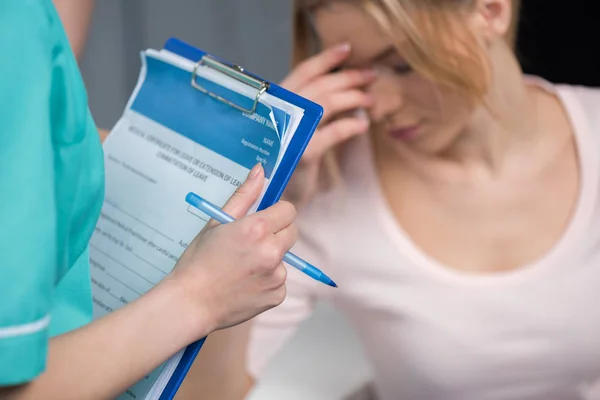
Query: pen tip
x,y
332,283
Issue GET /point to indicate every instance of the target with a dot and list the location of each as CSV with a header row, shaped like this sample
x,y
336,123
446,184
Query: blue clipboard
x,y
312,116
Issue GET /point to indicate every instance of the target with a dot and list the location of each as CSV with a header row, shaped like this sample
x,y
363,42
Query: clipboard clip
x,y
236,72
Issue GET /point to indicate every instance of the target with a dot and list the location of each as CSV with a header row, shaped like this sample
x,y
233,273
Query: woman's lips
x,y
405,132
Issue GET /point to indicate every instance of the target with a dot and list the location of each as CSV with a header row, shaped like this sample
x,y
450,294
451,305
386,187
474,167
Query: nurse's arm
x,y
103,134
227,275
102,359
75,16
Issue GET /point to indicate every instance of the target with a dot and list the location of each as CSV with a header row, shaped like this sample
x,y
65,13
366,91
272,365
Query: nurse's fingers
x,y
240,202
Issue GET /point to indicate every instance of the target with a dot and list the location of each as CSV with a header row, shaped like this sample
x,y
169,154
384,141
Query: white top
x,y
432,332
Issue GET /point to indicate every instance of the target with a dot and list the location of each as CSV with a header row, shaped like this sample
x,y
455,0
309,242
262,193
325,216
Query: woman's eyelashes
x,y
402,69
399,68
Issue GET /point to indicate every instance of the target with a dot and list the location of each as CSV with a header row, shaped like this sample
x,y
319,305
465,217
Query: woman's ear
x,y
493,18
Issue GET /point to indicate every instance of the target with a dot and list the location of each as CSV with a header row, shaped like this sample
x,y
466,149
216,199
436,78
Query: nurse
x,y
51,186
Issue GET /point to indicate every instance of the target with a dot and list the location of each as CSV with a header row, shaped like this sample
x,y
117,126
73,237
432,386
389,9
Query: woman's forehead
x,y
340,22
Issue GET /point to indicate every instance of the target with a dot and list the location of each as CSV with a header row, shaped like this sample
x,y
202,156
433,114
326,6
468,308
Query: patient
x,y
458,210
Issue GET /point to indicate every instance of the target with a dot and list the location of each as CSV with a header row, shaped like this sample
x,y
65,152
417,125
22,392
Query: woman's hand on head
x,y
339,93
233,272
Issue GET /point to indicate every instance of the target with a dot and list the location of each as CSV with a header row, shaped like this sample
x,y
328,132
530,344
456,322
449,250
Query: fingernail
x,y
255,171
342,48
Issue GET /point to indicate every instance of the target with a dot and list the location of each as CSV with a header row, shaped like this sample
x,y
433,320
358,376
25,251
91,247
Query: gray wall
x,y
241,31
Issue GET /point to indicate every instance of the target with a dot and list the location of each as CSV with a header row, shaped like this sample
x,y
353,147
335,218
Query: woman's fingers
x,y
339,81
333,134
316,66
339,102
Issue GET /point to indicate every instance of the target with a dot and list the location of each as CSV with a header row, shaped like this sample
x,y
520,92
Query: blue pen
x,y
222,217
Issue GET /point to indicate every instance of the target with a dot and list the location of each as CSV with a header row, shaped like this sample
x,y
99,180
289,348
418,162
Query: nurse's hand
x,y
233,272
340,94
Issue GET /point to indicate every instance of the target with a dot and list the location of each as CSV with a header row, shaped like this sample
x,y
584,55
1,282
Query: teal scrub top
x,y
51,188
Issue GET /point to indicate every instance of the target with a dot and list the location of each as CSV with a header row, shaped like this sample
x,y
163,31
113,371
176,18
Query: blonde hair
x,y
436,42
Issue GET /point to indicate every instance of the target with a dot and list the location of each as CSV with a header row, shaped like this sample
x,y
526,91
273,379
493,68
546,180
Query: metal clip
x,y
236,72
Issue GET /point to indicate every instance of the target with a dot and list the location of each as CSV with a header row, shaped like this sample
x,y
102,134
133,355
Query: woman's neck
x,y
509,120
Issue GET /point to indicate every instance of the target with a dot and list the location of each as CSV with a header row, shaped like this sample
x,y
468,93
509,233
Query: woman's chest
x,y
493,227
439,337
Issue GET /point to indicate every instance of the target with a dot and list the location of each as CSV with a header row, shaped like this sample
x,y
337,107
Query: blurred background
x,y
324,360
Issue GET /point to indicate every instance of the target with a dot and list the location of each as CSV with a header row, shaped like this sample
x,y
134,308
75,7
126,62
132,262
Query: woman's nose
x,y
389,98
